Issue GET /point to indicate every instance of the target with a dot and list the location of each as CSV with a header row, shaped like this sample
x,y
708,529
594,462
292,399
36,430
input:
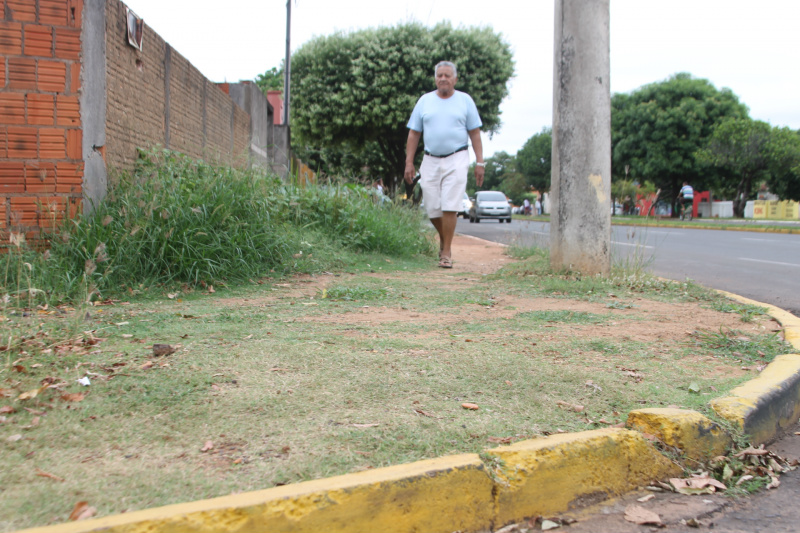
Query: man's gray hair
x,y
445,64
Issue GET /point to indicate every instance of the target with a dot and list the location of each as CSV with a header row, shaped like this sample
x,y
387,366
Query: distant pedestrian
x,y
686,198
449,120
538,206
526,207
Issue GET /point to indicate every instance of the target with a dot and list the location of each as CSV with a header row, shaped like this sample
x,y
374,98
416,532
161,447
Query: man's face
x,y
445,80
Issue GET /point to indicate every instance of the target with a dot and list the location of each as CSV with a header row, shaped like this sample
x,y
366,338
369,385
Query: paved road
x,y
761,266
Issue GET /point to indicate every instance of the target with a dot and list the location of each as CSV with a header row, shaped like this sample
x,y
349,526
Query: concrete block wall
x,y
41,167
157,97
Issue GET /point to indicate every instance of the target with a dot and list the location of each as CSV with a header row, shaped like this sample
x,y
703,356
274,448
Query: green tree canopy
x,y
658,129
355,91
751,151
534,160
271,80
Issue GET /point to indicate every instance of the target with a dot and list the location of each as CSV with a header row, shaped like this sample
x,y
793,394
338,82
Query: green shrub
x,y
179,220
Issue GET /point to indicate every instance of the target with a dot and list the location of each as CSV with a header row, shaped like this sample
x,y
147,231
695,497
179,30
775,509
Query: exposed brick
x,y
24,210
22,142
69,177
68,111
10,38
53,12
74,77
22,10
41,109
52,143
52,76
2,74
74,144
12,108
68,43
12,177
40,177
21,73
75,12
38,41
3,147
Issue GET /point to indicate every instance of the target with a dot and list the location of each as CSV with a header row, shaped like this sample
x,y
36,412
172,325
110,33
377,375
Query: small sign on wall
x,y
135,29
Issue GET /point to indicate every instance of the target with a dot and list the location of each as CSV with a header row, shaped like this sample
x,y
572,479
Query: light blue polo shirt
x,y
444,122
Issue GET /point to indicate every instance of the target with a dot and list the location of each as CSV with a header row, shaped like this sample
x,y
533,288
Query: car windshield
x,y
492,196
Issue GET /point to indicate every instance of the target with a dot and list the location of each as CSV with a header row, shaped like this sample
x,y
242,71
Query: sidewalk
x,y
542,476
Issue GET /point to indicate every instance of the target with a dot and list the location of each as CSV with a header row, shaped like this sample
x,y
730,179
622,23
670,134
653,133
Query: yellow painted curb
x,y
790,323
694,434
766,405
545,476
437,495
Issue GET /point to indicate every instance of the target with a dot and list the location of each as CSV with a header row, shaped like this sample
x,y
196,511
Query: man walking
x,y
449,119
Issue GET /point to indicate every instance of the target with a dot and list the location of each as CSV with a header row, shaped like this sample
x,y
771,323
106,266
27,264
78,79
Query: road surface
x,y
761,266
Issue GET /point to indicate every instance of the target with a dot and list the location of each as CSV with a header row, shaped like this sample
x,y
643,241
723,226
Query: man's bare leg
x,y
446,228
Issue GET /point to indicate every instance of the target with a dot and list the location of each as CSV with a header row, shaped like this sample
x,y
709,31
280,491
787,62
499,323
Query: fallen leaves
x,y
365,425
425,413
570,406
82,511
697,484
42,473
207,447
73,397
163,349
641,516
470,406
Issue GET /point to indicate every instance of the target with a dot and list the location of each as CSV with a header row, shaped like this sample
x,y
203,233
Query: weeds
x,y
176,221
751,347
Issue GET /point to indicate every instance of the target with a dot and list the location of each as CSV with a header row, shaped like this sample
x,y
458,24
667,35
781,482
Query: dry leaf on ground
x,y
208,446
82,511
365,425
570,406
42,473
470,406
640,515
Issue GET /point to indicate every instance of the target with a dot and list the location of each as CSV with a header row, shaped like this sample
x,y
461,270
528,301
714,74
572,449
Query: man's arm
x,y
411,150
477,147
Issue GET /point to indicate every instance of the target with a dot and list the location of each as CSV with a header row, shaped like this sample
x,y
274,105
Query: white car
x,y
466,205
490,204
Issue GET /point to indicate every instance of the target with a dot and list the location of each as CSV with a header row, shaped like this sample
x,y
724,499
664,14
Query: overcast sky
x,y
752,48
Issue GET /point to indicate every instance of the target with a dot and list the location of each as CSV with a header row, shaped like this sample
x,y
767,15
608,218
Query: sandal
x,y
445,262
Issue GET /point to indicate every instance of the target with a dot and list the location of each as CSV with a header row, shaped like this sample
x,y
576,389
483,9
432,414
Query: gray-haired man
x,y
449,120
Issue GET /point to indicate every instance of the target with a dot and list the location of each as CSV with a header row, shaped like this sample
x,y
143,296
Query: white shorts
x,y
443,181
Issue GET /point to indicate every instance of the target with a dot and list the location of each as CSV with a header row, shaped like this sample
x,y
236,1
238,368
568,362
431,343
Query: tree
x,y
658,129
355,91
271,80
534,160
750,151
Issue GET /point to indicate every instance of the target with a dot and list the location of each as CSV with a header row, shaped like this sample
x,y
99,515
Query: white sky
x,y
751,47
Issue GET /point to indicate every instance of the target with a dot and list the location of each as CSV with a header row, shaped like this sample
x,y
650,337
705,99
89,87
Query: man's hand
x,y
410,172
411,150
479,172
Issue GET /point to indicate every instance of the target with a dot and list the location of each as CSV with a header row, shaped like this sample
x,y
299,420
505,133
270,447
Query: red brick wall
x,y
41,169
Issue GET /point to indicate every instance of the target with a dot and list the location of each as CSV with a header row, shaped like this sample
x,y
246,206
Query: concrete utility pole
x,y
580,217
287,63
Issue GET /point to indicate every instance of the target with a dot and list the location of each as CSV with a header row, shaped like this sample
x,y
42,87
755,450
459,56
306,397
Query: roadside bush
x,y
179,220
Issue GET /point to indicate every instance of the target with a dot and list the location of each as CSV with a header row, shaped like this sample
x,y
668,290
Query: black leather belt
x,y
447,155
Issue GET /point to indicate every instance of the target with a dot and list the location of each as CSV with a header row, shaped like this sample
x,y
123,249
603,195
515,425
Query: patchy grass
x,y
303,378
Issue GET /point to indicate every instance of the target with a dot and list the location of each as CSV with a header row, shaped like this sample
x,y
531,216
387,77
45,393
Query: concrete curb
x,y
504,485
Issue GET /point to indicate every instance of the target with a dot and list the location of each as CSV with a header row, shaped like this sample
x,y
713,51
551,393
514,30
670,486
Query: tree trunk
x,y
742,193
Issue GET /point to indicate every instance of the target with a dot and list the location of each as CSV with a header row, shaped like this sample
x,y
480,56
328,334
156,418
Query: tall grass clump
x,y
179,220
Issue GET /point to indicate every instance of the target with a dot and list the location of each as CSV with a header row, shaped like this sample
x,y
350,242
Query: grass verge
x,y
280,381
